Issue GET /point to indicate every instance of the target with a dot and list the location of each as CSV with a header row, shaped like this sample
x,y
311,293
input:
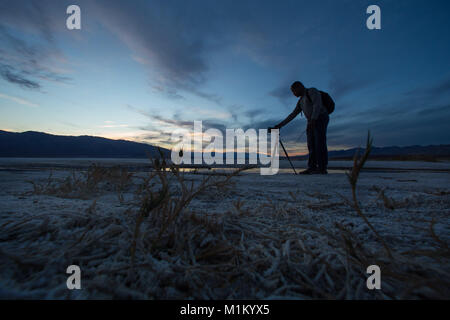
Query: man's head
x,y
298,89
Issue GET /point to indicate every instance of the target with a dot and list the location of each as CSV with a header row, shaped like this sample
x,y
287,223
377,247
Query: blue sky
x,y
137,70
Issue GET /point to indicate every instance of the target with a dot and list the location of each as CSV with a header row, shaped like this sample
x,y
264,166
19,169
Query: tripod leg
x,y
287,156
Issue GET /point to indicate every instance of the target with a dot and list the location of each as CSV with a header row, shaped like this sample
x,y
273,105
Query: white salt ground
x,y
262,237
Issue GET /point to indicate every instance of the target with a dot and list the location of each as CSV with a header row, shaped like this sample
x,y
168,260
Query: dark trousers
x,y
317,143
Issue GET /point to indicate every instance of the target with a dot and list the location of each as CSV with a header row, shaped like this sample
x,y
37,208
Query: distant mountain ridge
x,y
405,153
31,144
435,150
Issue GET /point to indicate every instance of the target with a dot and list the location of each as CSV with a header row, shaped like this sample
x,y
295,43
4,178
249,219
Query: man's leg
x,y
312,156
325,145
320,142
312,163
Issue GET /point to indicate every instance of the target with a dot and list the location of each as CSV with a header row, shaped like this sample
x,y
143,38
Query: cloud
x,y
174,41
441,88
114,126
439,110
163,38
342,85
168,92
283,93
29,55
345,79
21,101
160,128
394,124
159,120
17,78
177,42
412,117
433,91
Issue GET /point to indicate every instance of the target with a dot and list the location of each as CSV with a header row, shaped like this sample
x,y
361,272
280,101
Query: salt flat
x,y
257,237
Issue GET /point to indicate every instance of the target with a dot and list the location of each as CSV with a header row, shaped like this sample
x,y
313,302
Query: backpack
x,y
326,100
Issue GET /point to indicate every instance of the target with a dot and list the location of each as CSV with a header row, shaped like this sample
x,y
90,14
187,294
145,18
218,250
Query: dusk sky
x,y
139,69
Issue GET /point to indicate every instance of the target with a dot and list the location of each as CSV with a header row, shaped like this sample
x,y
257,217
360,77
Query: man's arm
x,y
289,118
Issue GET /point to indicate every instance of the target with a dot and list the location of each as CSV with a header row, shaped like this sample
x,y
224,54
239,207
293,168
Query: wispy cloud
x,y
176,42
431,91
29,55
282,93
114,126
21,101
11,75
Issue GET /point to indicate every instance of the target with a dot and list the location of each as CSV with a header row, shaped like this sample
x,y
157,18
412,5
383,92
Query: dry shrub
x,y
162,209
95,180
405,270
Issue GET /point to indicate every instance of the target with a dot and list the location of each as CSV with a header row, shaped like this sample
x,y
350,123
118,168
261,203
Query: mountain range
x,y
33,144
416,152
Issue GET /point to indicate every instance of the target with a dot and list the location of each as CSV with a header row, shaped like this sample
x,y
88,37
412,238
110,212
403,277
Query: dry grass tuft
x,y
95,180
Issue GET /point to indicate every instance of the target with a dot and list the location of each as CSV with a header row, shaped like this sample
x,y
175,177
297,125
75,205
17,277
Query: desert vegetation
x,y
168,234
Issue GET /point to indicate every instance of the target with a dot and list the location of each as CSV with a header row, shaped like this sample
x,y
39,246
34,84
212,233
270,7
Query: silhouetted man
x,y
317,115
